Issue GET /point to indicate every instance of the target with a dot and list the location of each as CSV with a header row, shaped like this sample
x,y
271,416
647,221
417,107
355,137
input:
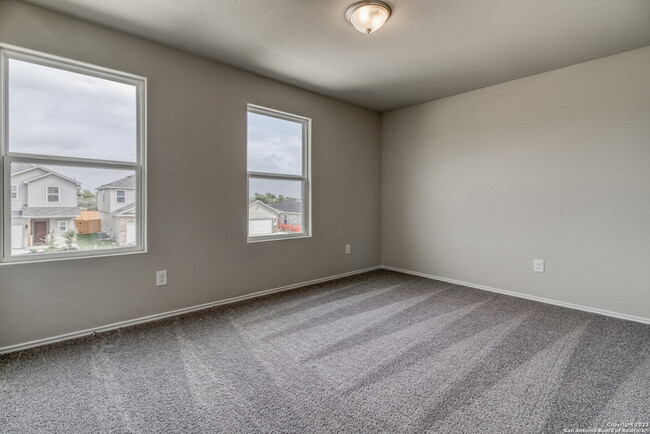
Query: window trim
x,y
11,192
118,197
58,225
138,167
305,177
47,193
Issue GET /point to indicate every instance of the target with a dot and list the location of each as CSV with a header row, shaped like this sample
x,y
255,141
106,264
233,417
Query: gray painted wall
x,y
197,155
555,166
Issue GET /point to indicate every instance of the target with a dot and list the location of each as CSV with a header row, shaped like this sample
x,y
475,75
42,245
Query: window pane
x,y
274,145
275,207
62,113
80,213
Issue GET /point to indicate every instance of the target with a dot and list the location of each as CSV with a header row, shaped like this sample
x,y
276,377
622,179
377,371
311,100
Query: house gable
x,y
260,210
37,188
51,173
18,179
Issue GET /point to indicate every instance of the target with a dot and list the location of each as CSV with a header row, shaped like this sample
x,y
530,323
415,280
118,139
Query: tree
x,y
50,242
86,198
270,198
70,238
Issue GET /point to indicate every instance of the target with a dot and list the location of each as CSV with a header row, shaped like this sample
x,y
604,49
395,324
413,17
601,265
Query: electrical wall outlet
x,y
348,249
538,265
161,278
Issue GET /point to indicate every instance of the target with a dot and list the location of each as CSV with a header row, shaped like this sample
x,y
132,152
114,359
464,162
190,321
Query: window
x,y
90,138
53,194
278,174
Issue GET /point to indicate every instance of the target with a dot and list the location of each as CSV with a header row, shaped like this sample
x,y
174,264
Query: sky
x,y
62,113
56,112
274,146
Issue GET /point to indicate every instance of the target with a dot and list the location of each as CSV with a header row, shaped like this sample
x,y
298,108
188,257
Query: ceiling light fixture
x,y
368,16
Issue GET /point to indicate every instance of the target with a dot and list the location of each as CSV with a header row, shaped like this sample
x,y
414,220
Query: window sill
x,y
262,238
70,256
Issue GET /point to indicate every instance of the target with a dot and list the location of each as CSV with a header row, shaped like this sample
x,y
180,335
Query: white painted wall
x,y
555,166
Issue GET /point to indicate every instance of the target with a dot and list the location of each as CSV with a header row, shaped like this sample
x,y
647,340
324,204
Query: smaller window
x,y
63,225
278,174
14,192
121,196
53,195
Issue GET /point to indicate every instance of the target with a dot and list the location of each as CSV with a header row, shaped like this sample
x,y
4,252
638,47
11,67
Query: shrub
x,y
50,242
70,238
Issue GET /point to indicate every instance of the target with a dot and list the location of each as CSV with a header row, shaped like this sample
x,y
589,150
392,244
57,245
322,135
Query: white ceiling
x,y
428,49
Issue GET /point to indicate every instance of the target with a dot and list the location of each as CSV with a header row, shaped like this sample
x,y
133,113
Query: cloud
x,y
274,145
58,112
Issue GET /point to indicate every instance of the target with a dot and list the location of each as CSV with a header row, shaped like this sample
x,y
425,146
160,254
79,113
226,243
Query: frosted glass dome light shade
x,y
368,16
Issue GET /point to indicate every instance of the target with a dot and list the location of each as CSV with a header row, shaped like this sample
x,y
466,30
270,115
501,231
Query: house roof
x,y
127,182
51,173
48,212
22,168
289,205
126,209
262,204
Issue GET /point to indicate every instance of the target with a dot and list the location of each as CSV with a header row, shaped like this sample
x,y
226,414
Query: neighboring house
x,y
42,201
290,215
262,219
116,206
266,219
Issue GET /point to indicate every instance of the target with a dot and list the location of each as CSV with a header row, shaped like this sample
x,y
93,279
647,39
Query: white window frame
x,y
118,197
58,225
305,178
47,194
12,192
7,158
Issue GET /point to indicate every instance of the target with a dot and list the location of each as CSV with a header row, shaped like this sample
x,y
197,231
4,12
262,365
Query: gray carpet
x,y
379,352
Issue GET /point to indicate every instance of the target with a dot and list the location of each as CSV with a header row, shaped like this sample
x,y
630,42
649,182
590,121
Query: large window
x,y
71,133
278,175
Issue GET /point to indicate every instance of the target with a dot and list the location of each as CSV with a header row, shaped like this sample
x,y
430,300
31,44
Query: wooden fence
x,y
88,222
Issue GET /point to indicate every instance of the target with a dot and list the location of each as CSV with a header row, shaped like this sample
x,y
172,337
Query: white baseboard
x,y
520,295
158,316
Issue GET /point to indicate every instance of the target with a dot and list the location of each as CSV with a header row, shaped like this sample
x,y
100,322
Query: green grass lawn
x,y
89,241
